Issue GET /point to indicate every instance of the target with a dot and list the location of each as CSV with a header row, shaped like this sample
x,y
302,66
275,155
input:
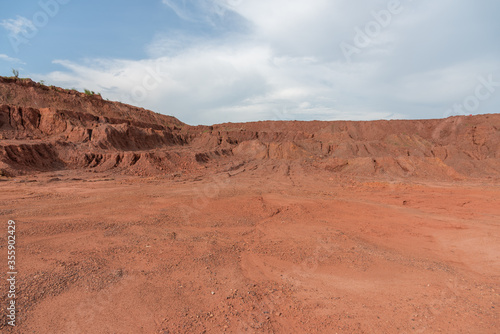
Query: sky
x,y
215,61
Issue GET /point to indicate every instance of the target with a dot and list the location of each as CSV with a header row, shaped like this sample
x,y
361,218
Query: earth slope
x,y
48,128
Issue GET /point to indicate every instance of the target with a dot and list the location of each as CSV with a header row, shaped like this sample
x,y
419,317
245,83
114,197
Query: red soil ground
x,y
133,222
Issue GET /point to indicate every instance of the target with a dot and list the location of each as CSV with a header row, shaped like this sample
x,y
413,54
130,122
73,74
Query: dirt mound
x,y
45,128
27,93
50,139
454,148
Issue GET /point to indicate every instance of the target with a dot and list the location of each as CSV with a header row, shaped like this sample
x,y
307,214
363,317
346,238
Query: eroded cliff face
x,y
26,93
49,128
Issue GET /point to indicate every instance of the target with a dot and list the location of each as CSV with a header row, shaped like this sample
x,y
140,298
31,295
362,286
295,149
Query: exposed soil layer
x,y
44,128
129,221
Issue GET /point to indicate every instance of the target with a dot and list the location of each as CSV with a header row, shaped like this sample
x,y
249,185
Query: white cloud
x,y
172,44
289,64
216,84
199,10
10,59
179,9
19,25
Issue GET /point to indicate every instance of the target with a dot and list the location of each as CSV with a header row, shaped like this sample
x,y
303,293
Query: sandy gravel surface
x,y
252,251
